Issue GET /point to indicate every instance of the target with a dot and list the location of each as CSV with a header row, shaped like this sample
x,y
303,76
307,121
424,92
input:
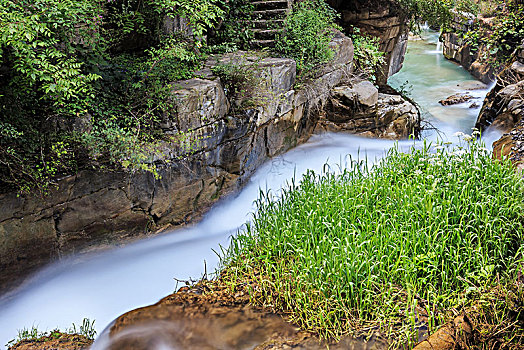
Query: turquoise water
x,y
428,78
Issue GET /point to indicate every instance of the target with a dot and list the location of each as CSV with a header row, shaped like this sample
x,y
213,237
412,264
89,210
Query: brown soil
x,y
56,341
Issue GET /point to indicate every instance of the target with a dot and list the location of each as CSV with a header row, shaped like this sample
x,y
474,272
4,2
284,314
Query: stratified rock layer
x,y
471,58
222,145
220,149
382,19
358,108
503,109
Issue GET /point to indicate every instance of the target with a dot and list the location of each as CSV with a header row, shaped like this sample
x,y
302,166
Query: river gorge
x,y
102,286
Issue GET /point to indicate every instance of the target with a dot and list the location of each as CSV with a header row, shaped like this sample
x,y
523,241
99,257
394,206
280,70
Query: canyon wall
x,y
472,58
503,109
222,145
382,19
222,148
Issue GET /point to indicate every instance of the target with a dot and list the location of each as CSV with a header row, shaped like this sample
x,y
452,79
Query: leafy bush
x,y
72,96
237,28
468,6
389,243
436,13
141,20
368,57
502,38
308,30
44,80
508,32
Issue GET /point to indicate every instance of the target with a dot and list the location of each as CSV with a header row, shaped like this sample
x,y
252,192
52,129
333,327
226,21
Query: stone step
x,y
270,14
258,44
266,34
270,5
269,24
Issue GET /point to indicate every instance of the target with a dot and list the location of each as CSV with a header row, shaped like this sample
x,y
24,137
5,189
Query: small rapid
x,y
104,285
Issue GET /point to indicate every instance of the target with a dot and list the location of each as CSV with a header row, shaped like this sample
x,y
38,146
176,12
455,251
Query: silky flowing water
x,y
104,285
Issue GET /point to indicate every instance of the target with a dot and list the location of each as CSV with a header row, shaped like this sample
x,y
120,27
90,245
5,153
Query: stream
x,y
104,285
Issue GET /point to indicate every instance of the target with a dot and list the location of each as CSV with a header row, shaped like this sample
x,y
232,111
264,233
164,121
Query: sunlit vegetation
x,y
389,244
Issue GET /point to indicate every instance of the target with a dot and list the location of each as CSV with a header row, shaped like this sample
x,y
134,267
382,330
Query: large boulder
x,y
359,108
503,109
382,19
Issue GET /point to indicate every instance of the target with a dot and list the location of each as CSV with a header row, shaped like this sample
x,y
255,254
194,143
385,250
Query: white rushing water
x,y
105,285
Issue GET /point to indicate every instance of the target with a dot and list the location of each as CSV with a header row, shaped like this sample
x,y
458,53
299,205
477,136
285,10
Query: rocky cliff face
x,y
221,148
381,19
359,108
503,109
456,49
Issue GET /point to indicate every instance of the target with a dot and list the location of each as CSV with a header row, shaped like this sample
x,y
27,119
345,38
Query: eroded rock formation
x,y
456,49
503,109
382,19
94,209
359,108
220,148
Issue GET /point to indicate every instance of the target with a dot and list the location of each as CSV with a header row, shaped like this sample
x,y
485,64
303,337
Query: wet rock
x,y
503,109
369,114
211,318
472,85
511,146
455,99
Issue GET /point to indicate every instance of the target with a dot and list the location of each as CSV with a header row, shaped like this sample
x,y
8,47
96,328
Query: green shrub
x,y
508,33
368,57
411,235
73,96
436,13
468,6
502,38
237,28
244,82
308,30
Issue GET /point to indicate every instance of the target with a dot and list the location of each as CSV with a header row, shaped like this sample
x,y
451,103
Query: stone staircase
x,y
268,20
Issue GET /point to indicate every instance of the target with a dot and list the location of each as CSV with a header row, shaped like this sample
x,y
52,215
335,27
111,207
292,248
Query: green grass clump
x,y
85,330
416,231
